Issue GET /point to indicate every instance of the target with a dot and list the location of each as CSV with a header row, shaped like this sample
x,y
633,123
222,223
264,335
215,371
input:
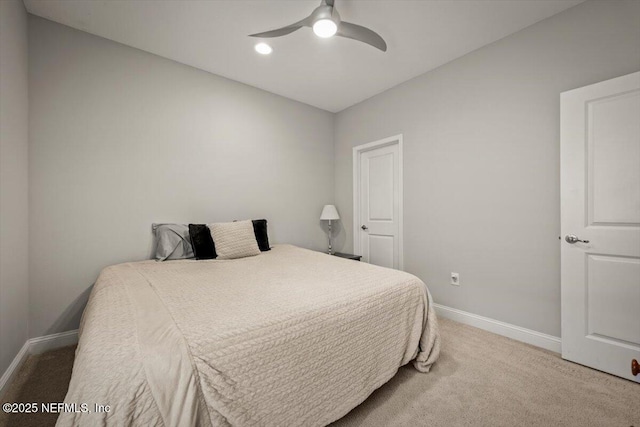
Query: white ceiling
x,y
331,74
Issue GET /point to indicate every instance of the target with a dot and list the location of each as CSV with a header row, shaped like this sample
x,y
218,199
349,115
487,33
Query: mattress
x,y
288,337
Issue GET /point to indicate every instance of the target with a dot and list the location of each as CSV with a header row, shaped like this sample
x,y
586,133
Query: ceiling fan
x,y
326,22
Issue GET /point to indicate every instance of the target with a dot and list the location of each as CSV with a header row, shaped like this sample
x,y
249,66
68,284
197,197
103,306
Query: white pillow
x,y
234,239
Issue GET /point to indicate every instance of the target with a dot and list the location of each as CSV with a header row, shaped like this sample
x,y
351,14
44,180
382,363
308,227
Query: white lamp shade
x,y
329,212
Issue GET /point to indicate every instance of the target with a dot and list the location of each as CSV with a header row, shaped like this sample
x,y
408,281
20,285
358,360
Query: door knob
x,y
572,238
364,227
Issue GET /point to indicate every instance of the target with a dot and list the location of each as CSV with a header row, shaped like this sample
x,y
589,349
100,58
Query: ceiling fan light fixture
x,y
325,28
263,48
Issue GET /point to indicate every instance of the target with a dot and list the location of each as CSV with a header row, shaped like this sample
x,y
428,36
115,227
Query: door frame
x,y
357,151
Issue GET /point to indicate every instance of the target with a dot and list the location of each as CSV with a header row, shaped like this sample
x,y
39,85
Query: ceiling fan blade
x,y
362,34
306,22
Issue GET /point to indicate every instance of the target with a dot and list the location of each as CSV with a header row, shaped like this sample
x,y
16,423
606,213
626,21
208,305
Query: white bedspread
x,y
290,337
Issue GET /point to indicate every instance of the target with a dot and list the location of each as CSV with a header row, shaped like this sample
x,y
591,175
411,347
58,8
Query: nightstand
x,y
348,256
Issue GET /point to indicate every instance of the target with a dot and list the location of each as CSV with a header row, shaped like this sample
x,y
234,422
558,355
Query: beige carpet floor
x,y
42,378
481,379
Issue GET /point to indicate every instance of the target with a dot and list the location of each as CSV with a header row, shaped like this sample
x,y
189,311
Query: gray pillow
x,y
172,241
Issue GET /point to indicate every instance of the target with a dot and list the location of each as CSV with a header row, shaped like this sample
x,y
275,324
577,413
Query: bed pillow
x,y
203,246
260,230
234,239
172,241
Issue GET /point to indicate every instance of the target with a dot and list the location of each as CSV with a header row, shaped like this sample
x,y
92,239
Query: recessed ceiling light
x,y
263,48
325,28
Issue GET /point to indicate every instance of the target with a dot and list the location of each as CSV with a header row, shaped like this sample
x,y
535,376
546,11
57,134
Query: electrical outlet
x,y
455,279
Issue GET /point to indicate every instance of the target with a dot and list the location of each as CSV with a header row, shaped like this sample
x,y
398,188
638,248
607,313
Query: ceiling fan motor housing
x,y
325,12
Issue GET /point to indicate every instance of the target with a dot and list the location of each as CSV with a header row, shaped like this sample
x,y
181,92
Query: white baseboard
x,y
14,367
36,346
548,342
51,342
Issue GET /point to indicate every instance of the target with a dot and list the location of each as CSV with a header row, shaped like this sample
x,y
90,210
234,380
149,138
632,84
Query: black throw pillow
x,y
260,230
202,242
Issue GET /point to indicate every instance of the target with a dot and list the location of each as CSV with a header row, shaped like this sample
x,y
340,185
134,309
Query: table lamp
x,y
329,213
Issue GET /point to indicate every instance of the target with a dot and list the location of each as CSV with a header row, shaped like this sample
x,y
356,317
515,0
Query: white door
x,y
600,198
378,202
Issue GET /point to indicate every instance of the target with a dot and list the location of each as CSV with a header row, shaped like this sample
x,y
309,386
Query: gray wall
x,y
14,119
481,168
121,138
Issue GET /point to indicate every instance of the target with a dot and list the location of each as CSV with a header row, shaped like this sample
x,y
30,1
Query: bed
x,y
290,337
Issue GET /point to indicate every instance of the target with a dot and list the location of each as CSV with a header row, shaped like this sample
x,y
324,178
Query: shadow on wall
x,y
153,245
70,317
339,236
